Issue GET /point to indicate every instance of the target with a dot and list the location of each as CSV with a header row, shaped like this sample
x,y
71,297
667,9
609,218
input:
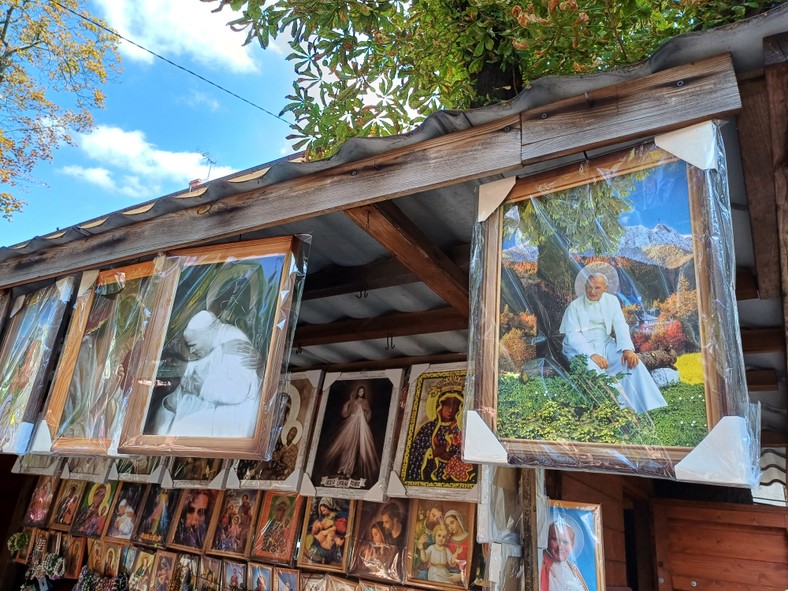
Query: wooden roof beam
x,y
390,325
386,223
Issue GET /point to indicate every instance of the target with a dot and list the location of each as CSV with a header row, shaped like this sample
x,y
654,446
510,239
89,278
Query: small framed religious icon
x,y
380,541
93,511
141,575
259,577
429,461
194,472
54,540
351,449
210,573
285,579
313,581
277,528
233,575
66,504
125,507
440,544
155,519
190,530
232,526
326,534
127,558
138,468
95,555
335,583
284,470
111,562
163,569
188,572
72,549
41,501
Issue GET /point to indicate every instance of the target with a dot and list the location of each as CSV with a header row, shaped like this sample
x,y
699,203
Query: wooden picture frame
x,y
380,543
72,550
66,504
277,528
335,583
327,527
232,526
98,367
194,472
93,512
210,573
54,540
534,244
127,559
313,581
163,569
284,470
124,513
286,579
22,556
156,517
188,572
352,444
111,564
38,465
189,529
95,556
572,534
138,468
429,455
233,302
89,468
233,575
441,538
25,357
40,503
259,577
141,576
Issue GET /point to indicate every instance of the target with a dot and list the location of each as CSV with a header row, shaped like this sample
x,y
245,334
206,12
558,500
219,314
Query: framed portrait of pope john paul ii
x,y
208,385
598,346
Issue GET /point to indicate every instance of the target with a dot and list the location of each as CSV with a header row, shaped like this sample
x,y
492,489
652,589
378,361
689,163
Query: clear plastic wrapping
x,y
428,461
326,534
220,335
604,331
380,540
100,357
277,529
26,351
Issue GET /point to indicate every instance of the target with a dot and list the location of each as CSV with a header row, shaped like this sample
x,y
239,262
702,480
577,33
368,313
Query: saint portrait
x,y
128,557
286,579
232,525
289,454
326,533
210,574
277,528
440,543
194,472
597,314
189,531
25,355
66,504
41,501
219,351
99,362
188,572
259,577
351,448
111,562
154,522
163,570
125,508
571,555
432,432
233,576
141,575
72,549
381,540
94,509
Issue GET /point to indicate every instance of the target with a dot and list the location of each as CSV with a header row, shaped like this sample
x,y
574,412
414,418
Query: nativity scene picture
x,y
599,333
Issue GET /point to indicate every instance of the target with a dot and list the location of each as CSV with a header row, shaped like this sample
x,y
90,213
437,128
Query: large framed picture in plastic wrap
x,y
210,375
606,298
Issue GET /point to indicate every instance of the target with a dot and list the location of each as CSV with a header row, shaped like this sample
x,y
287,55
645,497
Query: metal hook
x,y
299,350
389,343
362,293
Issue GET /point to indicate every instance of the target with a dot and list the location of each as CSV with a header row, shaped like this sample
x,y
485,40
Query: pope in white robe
x,y
219,392
594,325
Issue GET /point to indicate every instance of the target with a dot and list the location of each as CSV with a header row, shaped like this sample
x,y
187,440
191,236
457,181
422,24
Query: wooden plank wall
x,y
611,493
715,546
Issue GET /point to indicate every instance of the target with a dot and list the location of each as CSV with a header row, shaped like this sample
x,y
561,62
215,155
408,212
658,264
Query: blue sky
x,y
158,120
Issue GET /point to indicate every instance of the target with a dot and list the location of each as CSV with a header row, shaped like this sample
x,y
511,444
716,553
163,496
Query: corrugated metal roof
x,y
743,40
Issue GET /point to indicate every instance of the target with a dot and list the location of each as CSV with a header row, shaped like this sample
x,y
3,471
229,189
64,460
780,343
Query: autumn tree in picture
x,y
54,57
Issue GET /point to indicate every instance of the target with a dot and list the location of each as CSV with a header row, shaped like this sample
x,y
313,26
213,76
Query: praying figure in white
x,y
219,393
594,325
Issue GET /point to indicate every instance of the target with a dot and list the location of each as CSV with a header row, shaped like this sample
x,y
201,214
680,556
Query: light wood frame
x,y
616,457
286,571
287,532
69,542
428,385
227,574
234,496
86,506
43,496
306,558
134,439
148,507
65,487
134,495
586,517
180,516
164,555
417,527
61,389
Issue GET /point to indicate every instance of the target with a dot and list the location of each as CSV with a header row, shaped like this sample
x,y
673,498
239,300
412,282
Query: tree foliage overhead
x,y
377,67
52,63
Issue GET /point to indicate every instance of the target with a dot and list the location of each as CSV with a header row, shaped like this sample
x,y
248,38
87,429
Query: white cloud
x,y
131,165
201,99
178,28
